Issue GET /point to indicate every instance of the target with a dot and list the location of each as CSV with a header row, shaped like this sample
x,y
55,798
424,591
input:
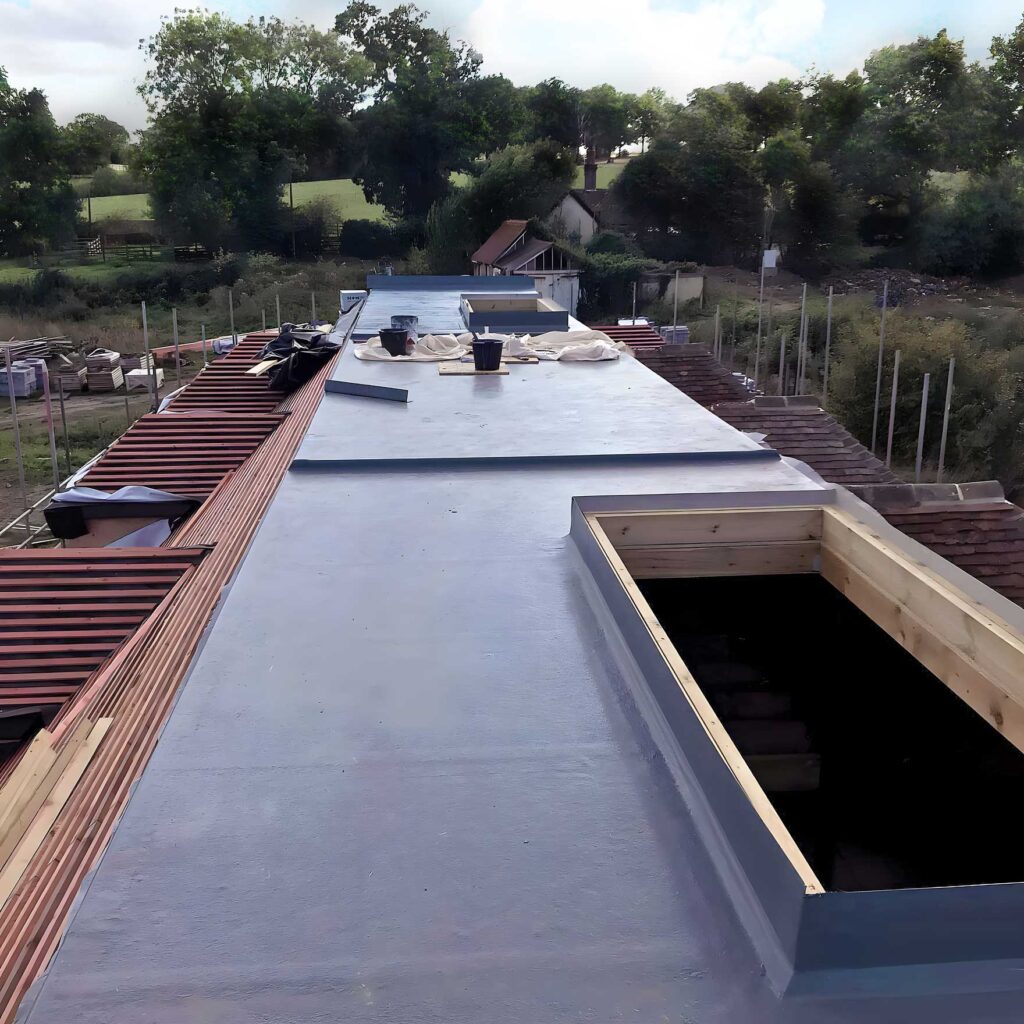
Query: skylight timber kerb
x,y
979,657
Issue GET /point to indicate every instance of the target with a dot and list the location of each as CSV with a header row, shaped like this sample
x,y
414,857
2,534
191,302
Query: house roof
x,y
63,613
500,241
799,428
694,370
225,385
411,701
521,256
188,453
970,524
591,199
639,337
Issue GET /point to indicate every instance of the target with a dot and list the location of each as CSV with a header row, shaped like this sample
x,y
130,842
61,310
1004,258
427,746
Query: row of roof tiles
x,y
972,525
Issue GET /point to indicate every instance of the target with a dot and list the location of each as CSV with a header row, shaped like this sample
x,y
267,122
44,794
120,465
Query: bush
x,y
980,232
109,182
988,404
612,242
371,240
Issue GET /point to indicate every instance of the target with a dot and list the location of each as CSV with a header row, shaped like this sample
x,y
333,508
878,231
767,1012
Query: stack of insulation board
x,y
104,371
68,378
22,379
136,361
40,367
105,380
142,380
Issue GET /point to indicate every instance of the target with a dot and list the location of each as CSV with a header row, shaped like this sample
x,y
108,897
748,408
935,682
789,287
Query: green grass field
x,y
344,195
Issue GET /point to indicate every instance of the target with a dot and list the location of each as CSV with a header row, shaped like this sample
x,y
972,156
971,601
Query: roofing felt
x,y
695,371
503,237
188,453
802,430
435,300
225,385
64,612
639,337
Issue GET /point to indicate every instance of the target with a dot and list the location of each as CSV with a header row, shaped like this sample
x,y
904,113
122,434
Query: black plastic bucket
x,y
395,340
487,354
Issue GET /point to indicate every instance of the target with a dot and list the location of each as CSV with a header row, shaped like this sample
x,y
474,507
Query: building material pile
x,y
142,380
19,379
43,348
104,371
68,378
136,361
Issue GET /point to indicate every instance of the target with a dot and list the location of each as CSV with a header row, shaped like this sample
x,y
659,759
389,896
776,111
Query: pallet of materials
x,y
102,359
136,361
105,380
22,381
44,348
141,380
69,378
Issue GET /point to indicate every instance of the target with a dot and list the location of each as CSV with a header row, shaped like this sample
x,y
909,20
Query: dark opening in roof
x,y
882,775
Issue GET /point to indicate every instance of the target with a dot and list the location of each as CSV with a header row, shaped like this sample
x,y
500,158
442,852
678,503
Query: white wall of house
x,y
574,220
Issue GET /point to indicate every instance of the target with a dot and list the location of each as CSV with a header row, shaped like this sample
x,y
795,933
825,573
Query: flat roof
x,y
435,300
550,410
407,779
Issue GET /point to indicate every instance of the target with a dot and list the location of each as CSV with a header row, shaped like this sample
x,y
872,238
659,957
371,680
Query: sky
x,y
85,53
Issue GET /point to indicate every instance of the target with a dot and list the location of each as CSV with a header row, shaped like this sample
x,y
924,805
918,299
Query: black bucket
x,y
395,340
487,354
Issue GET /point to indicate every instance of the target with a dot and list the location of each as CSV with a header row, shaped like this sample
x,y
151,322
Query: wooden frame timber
x,y
804,932
977,655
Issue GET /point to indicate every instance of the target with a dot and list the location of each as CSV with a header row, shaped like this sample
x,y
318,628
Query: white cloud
x,y
84,53
636,44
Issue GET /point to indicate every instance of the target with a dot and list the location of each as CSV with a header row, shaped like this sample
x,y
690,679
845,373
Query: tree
x,y
556,112
432,115
92,141
237,110
917,118
37,204
608,119
698,187
519,182
649,112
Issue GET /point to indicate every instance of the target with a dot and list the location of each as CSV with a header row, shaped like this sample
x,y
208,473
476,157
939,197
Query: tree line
x,y
913,160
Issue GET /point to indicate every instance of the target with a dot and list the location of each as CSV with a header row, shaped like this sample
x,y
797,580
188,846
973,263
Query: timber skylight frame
x,y
801,929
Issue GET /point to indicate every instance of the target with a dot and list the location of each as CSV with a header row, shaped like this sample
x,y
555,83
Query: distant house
x,y
513,250
582,212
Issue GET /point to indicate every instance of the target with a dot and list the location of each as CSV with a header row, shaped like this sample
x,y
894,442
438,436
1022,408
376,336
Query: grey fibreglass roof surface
x,y
406,779
547,410
435,300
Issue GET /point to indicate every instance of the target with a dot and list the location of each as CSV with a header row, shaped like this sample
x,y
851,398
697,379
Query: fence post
x,y
878,375
17,431
945,422
920,429
892,406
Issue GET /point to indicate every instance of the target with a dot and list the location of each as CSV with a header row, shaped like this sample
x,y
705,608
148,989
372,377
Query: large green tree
x,y
37,204
92,141
237,110
432,113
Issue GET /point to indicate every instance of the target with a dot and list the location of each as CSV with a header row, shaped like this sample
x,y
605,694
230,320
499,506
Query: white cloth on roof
x,y
429,348
577,346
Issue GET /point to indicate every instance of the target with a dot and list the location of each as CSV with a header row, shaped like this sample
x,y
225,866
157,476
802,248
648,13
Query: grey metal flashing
x,y
347,387
682,459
